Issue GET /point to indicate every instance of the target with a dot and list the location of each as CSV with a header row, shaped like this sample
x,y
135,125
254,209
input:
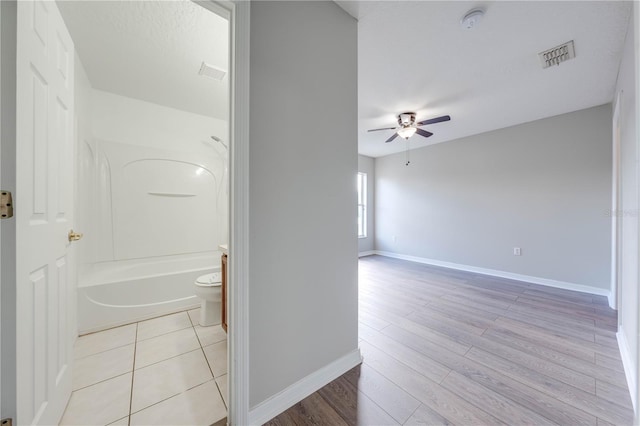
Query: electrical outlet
x,y
395,239
516,251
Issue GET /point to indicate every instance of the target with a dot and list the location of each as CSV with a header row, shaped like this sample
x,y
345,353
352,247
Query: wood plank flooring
x,y
445,347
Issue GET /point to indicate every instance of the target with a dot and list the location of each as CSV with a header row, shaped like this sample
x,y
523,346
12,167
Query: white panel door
x,y
43,212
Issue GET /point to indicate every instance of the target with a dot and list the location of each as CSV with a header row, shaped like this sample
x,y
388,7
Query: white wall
x,y
135,122
543,186
367,165
628,214
302,226
116,132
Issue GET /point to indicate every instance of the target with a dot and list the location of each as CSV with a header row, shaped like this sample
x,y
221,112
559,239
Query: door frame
x,y
1,182
239,217
8,180
237,12
616,222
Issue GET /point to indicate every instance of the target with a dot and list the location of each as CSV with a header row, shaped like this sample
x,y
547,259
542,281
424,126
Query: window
x,y
362,205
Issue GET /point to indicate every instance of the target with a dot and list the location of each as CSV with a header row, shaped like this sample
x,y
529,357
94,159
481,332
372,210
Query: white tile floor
x,y
166,370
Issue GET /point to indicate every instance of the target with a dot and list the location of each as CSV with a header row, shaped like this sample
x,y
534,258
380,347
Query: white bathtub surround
x,y
116,293
162,201
144,168
153,206
178,375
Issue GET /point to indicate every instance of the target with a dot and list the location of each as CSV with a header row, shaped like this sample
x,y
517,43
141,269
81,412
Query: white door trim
x,y
614,298
1,181
636,38
237,12
239,218
8,241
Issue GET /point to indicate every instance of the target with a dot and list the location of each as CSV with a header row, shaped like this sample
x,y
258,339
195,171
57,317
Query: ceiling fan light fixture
x,y
407,132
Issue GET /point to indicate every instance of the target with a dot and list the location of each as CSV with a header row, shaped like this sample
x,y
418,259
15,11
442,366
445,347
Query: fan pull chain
x,y
407,154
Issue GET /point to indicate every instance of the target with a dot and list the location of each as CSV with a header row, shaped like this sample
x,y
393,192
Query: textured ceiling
x,y
415,56
152,50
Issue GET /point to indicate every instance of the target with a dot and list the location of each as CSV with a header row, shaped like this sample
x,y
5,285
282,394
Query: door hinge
x,y
6,211
7,422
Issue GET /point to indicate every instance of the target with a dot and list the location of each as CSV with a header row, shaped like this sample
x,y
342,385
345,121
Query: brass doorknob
x,y
74,236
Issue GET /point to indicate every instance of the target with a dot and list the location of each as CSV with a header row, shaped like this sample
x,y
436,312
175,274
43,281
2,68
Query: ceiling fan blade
x,y
424,133
434,120
395,135
384,128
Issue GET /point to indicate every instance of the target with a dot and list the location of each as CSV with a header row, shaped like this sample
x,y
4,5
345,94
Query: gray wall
x,y
543,186
628,214
302,254
8,180
366,165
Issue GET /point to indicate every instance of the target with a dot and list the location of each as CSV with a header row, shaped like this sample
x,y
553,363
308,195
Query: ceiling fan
x,y
407,126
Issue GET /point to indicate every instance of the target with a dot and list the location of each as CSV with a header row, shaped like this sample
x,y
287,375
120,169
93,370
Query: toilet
x,y
209,288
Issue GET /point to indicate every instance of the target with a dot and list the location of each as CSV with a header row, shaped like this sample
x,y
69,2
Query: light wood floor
x,y
447,347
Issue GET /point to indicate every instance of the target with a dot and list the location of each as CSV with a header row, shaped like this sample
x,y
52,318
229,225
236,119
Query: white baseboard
x,y
366,253
298,391
502,274
611,299
629,370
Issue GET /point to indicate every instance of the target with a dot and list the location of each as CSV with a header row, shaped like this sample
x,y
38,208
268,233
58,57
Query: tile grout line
x,y
172,396
204,354
101,352
220,392
133,375
134,364
166,359
100,381
183,353
209,365
131,323
165,333
210,369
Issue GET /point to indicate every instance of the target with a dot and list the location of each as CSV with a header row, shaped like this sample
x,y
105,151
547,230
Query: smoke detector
x,y
558,54
472,19
210,71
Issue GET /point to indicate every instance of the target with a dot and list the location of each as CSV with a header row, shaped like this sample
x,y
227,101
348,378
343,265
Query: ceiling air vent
x,y
558,54
210,71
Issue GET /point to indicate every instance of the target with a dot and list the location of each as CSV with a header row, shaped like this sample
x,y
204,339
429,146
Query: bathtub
x,y
122,292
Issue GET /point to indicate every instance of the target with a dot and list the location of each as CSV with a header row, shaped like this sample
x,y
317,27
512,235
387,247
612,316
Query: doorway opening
x,y
152,200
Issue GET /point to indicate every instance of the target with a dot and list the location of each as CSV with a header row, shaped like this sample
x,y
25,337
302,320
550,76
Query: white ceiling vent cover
x,y
210,71
558,54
